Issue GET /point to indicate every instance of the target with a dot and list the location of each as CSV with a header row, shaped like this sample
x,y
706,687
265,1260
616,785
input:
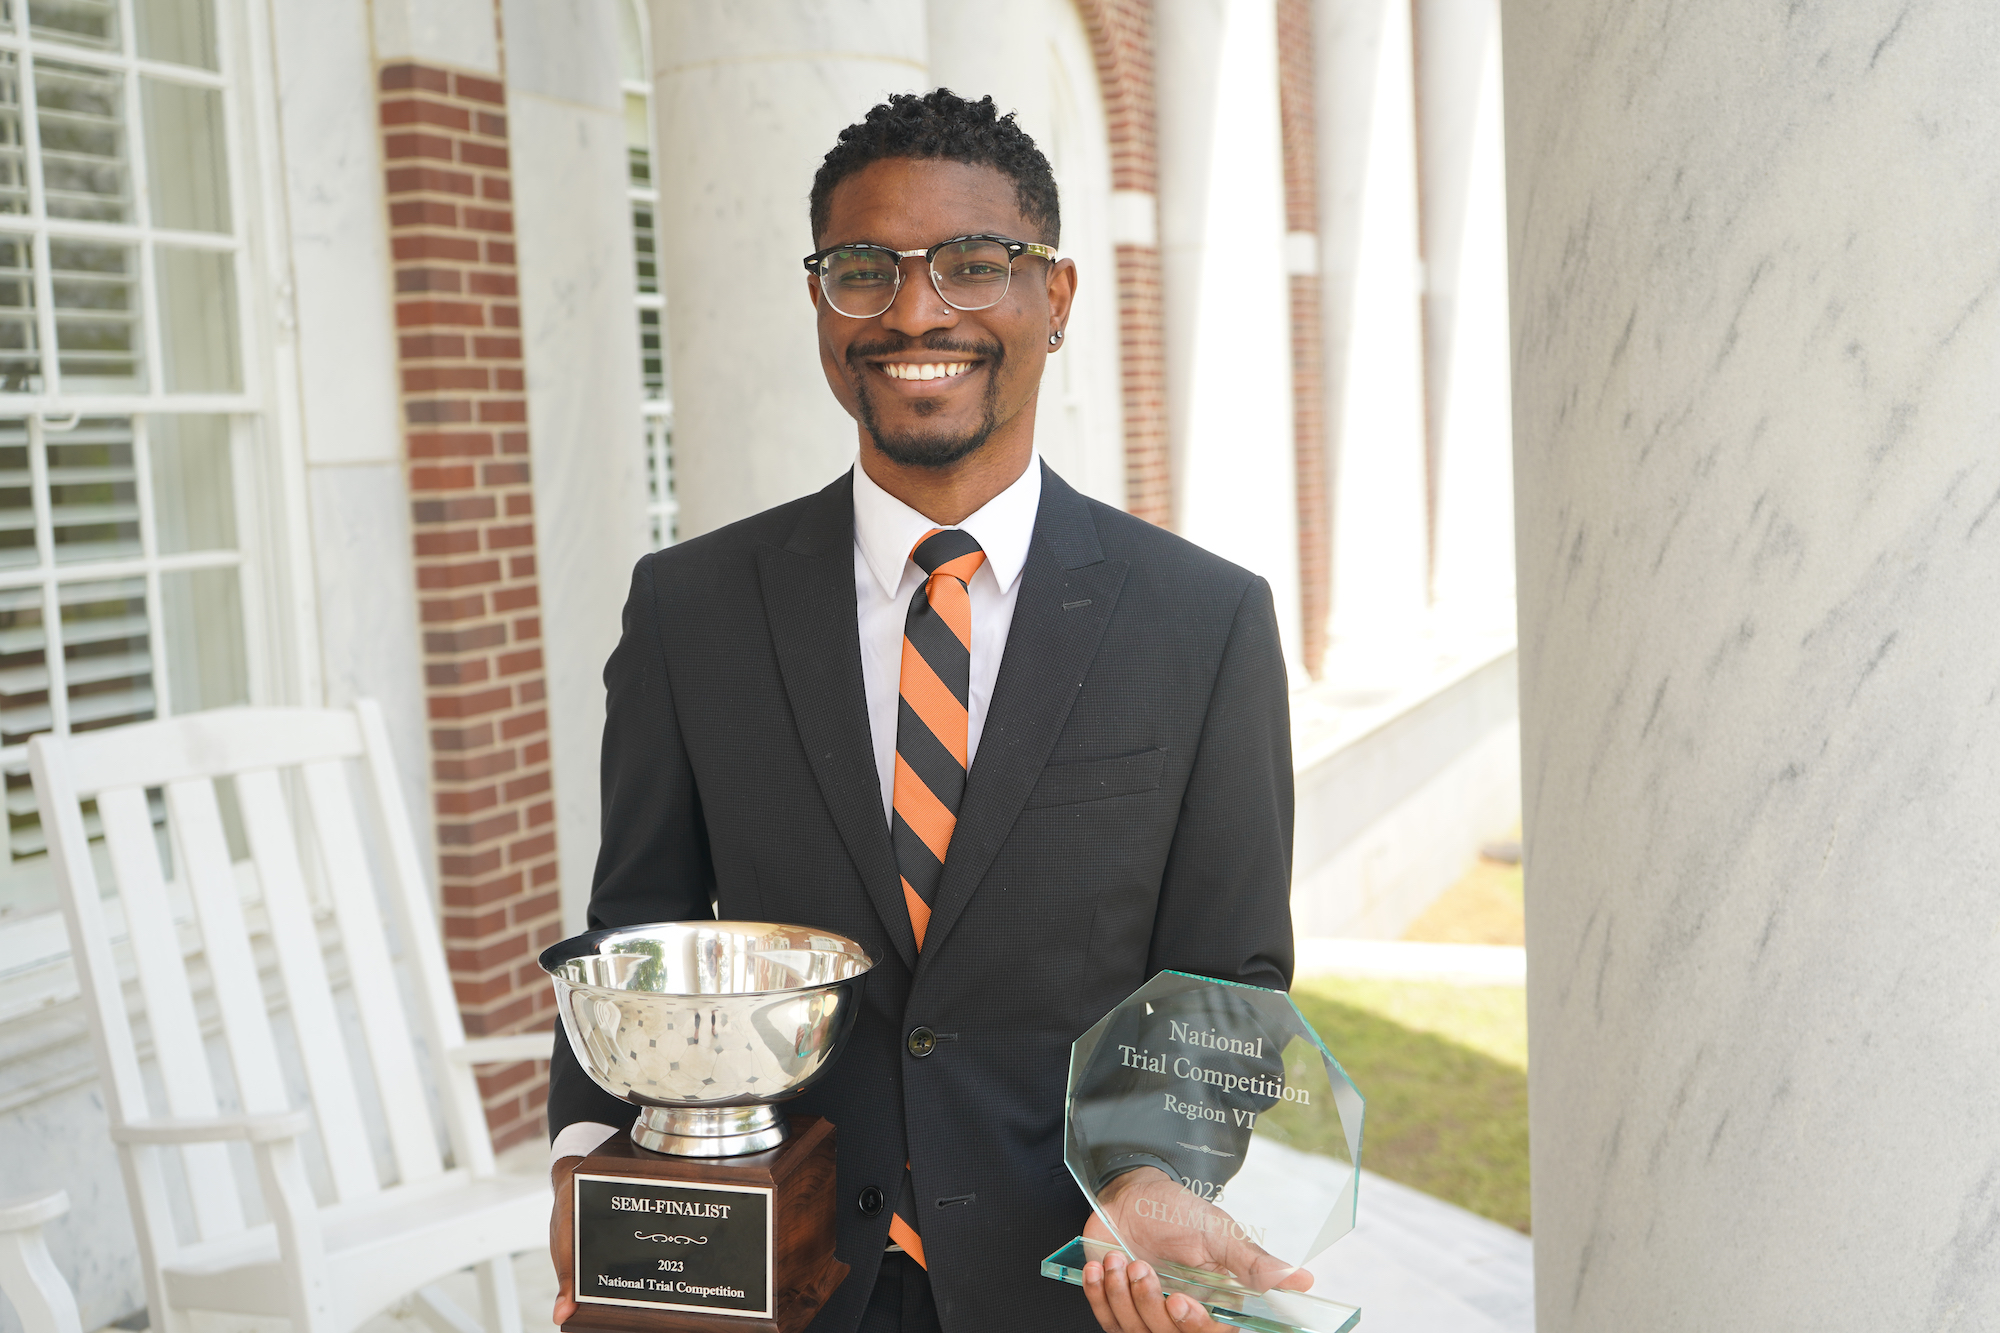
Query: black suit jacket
x,y
1129,809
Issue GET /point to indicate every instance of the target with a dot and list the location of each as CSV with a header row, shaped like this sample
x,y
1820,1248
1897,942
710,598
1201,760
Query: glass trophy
x,y
1220,1142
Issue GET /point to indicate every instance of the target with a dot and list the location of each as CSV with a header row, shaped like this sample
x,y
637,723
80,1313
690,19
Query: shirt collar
x,y
886,529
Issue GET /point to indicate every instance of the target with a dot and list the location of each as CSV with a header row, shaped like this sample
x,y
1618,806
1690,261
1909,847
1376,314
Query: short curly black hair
x,y
941,124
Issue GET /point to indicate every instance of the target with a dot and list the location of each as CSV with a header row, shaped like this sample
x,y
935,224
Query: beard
x,y
939,448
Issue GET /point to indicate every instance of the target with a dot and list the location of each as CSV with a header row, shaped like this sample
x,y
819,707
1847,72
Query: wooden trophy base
x,y
802,1270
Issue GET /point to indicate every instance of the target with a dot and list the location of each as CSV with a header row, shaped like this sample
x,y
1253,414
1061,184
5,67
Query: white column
x,y
749,97
1034,59
1756,285
1226,292
999,49
1374,344
1463,164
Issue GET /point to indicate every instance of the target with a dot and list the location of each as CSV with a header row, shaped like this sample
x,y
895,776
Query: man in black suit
x,y
1025,749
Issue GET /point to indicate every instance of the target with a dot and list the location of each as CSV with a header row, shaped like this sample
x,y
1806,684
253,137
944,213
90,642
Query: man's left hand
x,y
1126,1295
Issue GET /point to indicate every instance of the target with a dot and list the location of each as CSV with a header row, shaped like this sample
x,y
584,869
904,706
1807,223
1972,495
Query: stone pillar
x,y
748,98
1228,298
1462,168
1756,294
999,49
1374,345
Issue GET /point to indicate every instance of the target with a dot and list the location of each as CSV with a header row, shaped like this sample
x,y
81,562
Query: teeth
x,y
900,371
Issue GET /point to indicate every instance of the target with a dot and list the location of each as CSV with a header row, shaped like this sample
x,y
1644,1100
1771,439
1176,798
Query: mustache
x,y
932,342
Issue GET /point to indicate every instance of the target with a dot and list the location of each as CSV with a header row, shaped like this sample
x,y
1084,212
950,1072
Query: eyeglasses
x,y
969,272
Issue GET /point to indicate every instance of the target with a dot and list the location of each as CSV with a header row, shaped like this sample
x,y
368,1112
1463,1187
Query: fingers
x,y
1162,1313
1118,1294
1127,1298
1191,1316
1093,1291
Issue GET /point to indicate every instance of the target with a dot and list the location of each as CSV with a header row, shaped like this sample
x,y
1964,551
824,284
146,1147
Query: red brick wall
x,y
451,226
1296,112
1121,40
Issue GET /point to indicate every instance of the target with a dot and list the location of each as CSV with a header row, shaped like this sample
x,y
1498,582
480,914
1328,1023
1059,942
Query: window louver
x,y
73,536
643,191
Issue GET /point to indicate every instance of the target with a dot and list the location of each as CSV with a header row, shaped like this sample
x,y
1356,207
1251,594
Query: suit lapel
x,y
808,586
1068,591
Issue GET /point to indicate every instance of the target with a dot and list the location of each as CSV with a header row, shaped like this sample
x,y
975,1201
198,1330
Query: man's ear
x,y
812,290
1062,289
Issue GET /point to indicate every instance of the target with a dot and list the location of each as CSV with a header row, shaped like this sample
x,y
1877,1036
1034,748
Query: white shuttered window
x,y
124,421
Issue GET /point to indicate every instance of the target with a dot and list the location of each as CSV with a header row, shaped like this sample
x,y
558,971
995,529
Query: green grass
x,y
1445,1072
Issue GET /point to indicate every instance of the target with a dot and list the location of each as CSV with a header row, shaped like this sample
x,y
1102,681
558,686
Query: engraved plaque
x,y
665,1245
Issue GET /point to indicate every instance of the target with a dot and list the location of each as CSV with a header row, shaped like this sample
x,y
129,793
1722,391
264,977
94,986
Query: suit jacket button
x,y
870,1202
922,1042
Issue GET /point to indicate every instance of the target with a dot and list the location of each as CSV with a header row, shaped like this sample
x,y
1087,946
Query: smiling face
x,y
930,385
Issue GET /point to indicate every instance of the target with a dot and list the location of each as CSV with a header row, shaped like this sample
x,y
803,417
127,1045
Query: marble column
x,y
1462,165
1374,339
1033,57
748,98
998,49
1756,317
1227,292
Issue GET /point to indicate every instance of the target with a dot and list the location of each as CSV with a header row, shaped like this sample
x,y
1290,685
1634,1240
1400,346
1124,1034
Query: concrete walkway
x,y
1415,1264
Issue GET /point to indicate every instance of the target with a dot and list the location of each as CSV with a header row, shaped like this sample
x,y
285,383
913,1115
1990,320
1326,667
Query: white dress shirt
x,y
885,579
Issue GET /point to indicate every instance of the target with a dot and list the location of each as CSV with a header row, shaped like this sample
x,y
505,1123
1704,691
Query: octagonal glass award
x,y
1220,1142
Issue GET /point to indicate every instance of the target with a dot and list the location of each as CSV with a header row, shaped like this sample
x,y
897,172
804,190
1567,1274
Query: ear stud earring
x,y
1055,339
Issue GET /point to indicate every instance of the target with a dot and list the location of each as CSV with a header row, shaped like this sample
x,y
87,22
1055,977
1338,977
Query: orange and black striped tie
x,y
932,737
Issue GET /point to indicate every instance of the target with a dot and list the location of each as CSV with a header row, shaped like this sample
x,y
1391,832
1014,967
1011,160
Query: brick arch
x,y
1121,42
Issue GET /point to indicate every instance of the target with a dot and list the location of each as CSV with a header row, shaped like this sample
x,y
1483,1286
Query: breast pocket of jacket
x,y
1097,779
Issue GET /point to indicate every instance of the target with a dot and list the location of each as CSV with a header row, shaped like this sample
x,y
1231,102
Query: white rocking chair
x,y
325,1265
28,1277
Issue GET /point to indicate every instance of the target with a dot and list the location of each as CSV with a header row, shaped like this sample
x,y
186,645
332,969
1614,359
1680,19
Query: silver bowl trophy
x,y
717,1211
1220,1141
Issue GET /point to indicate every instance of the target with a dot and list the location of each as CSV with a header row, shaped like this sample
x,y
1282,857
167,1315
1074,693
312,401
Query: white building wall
x,y
565,117
458,33
342,302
